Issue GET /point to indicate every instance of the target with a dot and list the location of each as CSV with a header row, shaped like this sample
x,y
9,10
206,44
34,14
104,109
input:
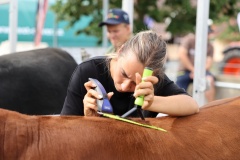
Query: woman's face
x,y
123,72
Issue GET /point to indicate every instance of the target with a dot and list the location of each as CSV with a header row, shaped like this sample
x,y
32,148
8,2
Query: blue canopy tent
x,y
23,14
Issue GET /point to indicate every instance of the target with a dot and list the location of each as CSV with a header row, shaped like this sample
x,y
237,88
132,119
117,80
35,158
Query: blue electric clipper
x,y
103,104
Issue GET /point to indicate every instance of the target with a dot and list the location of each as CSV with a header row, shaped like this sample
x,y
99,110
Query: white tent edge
x,y
13,23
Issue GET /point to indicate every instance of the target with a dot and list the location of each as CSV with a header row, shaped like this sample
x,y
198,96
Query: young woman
x,y
120,74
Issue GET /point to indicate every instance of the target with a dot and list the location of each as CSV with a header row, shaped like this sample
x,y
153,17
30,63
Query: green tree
x,y
141,8
182,14
72,11
224,12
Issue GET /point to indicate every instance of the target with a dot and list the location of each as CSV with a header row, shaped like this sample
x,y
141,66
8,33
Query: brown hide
x,y
214,133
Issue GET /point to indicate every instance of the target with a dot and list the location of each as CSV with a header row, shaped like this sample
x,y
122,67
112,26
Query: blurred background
x,y
72,25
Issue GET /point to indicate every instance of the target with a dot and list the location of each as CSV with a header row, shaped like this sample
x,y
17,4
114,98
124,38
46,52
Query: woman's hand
x,y
145,89
90,99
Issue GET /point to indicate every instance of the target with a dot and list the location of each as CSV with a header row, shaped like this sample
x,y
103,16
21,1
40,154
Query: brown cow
x,y
214,133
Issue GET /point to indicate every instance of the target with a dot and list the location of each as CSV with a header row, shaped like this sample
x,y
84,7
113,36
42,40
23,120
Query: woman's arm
x,y
172,101
73,104
176,105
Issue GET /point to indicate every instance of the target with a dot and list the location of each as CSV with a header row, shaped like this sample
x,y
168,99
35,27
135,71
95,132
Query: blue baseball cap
x,y
115,16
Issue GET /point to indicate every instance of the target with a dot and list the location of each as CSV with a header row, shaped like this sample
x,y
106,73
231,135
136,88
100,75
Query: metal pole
x,y
104,29
227,85
55,31
13,20
199,83
128,6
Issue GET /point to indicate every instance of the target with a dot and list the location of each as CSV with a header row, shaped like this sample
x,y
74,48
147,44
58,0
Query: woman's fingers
x,y
145,88
90,104
89,85
90,99
110,94
151,79
138,78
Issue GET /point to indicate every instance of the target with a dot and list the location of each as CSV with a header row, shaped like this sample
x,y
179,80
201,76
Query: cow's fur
x,y
35,82
214,133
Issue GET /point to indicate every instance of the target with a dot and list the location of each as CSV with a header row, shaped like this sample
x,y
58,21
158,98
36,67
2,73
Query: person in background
x,y
120,74
118,28
186,69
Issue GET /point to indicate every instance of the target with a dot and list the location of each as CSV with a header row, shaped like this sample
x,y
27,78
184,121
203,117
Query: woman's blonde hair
x,y
149,48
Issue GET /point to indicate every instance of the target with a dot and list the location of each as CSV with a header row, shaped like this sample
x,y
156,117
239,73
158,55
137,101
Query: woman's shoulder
x,y
93,62
95,59
92,67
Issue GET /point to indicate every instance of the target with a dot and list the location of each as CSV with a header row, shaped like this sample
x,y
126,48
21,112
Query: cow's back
x,y
35,82
211,134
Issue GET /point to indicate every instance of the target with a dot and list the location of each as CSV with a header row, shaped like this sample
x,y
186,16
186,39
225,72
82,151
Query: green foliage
x,y
72,10
141,8
231,33
221,12
183,16
181,13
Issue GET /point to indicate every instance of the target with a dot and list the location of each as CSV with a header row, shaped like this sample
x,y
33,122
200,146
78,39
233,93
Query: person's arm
x,y
176,105
73,104
209,62
70,106
184,59
174,101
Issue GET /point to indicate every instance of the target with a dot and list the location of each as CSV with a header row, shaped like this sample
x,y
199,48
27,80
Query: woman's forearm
x,y
177,105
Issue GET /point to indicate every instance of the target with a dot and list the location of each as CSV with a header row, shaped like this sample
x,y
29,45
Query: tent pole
x,y
128,6
13,20
104,29
199,83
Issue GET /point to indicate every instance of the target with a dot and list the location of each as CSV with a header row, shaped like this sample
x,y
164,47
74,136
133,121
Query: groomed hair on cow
x,y
212,134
